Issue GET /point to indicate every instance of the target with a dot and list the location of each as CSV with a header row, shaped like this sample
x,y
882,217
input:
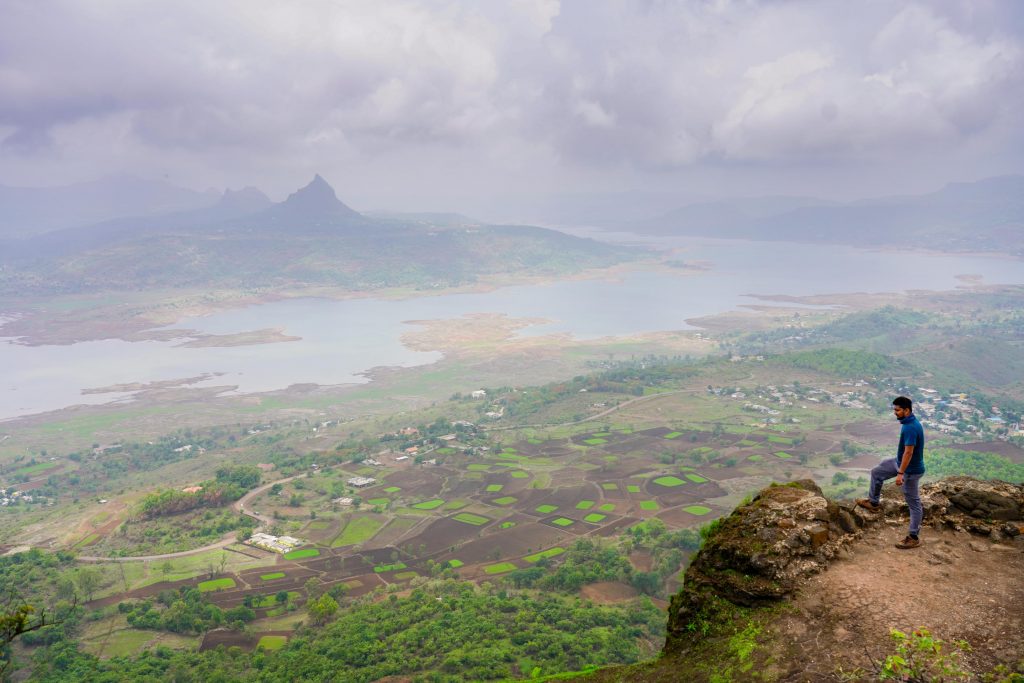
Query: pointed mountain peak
x,y
317,199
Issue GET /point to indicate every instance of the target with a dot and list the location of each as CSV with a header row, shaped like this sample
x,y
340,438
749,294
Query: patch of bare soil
x,y
608,592
1007,450
958,586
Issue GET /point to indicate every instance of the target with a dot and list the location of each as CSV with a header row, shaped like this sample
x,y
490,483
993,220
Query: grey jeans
x,y
889,469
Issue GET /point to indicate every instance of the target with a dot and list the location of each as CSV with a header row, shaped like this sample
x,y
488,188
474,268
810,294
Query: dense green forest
x,y
444,631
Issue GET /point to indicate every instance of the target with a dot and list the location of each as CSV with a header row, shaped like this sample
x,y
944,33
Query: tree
x,y
322,609
88,580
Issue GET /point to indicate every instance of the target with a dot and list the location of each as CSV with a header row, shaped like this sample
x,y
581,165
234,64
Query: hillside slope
x,y
796,587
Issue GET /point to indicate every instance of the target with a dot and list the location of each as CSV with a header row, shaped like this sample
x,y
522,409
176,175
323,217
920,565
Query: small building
x,y
361,482
344,501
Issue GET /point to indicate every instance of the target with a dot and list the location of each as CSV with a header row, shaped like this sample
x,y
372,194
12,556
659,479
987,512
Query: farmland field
x,y
302,554
216,585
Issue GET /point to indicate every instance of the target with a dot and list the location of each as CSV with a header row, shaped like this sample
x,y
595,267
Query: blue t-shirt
x,y
911,434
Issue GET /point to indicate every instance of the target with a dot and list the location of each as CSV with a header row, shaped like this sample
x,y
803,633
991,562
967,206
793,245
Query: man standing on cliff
x,y
907,467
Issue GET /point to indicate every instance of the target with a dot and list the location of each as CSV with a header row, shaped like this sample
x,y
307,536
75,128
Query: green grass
x,y
271,576
504,500
595,442
494,488
271,600
318,525
545,509
535,442
405,576
594,518
477,467
35,469
91,538
302,553
632,488
445,450
607,507
500,568
271,642
648,505
216,585
673,435
378,501
783,454
358,529
456,504
669,481
455,564
584,505
550,552
519,474
610,486
747,442
122,643
394,566
756,458
697,509
562,521
696,478
507,525
393,489
470,518
780,439
429,504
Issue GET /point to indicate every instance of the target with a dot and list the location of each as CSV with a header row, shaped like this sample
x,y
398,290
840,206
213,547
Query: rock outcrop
x,y
767,549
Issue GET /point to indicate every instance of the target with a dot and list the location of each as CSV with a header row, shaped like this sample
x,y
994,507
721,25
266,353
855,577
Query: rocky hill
x,y
796,587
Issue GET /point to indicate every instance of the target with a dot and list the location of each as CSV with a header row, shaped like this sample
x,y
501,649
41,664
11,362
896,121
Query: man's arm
x,y
908,454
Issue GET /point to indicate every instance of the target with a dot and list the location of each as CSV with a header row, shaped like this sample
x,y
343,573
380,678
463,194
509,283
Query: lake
x,y
341,340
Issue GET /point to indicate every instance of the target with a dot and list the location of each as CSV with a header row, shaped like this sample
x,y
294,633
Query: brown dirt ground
x,y
608,592
1007,450
956,585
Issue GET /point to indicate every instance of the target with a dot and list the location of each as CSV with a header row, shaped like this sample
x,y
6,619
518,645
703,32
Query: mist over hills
x,y
312,238
985,215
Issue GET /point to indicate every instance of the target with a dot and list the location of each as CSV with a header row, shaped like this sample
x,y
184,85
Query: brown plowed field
x,y
1007,450
608,592
519,540
677,517
446,532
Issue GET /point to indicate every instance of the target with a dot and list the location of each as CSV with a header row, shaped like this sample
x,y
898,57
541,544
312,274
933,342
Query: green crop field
x,y
494,488
271,576
648,505
594,518
455,564
318,525
697,509
595,442
747,442
610,486
302,553
271,642
550,552
506,525
35,469
405,576
395,566
632,488
470,518
584,505
456,504
783,454
379,501
358,529
429,504
478,467
445,450
392,489
756,458
519,474
673,435
607,507
780,439
545,509
216,585
500,568
562,521
696,478
669,481
504,500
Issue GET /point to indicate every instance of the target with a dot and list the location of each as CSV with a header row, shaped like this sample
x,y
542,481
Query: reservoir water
x,y
341,340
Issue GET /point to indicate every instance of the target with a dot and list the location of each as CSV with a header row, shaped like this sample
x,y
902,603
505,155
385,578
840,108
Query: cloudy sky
x,y
431,104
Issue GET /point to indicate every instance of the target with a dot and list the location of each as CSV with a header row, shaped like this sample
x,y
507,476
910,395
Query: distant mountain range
x,y
985,215
312,238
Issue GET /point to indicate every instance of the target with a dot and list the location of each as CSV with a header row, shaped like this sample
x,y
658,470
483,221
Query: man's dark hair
x,y
903,402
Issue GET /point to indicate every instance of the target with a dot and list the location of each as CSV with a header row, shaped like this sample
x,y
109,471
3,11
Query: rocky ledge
x,y
767,548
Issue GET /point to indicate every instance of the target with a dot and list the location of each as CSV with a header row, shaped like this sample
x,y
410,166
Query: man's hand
x,y
899,479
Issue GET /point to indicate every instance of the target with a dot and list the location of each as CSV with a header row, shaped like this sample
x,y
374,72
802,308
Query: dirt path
x,y
956,585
